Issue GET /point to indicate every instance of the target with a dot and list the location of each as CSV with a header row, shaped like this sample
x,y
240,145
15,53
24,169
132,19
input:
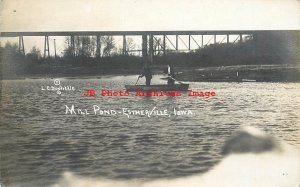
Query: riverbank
x,y
237,73
241,73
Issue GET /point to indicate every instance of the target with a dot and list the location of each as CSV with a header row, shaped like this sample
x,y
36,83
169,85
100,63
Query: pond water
x,y
39,140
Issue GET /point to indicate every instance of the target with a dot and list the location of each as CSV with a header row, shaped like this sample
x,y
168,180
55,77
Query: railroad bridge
x,y
149,38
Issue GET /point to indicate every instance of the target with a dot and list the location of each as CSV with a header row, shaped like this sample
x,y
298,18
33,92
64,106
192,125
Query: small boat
x,y
248,80
158,87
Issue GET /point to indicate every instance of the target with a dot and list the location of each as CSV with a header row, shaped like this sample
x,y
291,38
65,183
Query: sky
x,y
122,15
70,15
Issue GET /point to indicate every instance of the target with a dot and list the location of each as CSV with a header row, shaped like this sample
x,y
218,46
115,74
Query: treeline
x,y
86,47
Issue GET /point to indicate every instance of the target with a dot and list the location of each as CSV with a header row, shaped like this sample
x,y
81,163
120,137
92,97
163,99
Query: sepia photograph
x,y
149,93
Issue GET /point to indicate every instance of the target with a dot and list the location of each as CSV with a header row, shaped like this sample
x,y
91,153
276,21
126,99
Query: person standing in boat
x,y
171,75
147,73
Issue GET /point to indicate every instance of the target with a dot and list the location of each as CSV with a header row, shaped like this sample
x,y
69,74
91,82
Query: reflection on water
x,y
39,141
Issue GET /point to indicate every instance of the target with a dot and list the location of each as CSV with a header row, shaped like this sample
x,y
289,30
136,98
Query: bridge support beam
x,y
144,47
124,45
189,42
98,46
227,38
46,47
241,38
72,45
202,41
151,48
164,44
176,45
54,42
21,45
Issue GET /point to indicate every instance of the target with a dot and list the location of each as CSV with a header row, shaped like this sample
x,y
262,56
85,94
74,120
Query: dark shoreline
x,y
242,73
238,73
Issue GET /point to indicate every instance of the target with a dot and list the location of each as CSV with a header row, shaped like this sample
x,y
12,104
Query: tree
x,y
109,45
130,45
157,46
68,51
11,60
34,55
11,49
1,55
84,46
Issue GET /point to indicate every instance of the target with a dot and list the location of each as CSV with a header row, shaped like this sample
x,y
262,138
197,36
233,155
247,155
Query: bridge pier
x,y
164,44
144,47
227,37
98,46
46,47
151,51
21,45
124,45
189,42
241,38
72,46
54,49
176,45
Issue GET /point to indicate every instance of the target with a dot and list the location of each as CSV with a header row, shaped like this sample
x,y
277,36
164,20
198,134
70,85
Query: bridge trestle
x,y
153,42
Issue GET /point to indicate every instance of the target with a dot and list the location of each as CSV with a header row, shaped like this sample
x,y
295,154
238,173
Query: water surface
x,y
39,141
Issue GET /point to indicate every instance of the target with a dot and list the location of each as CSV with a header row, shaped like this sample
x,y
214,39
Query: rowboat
x,y
248,80
158,87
